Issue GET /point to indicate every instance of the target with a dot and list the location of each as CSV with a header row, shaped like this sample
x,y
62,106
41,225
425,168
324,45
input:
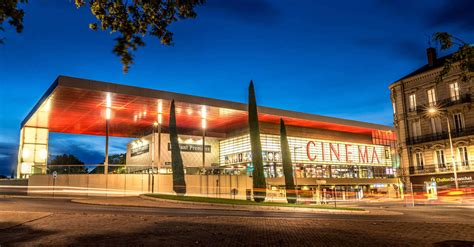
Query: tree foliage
x,y
464,55
9,11
132,20
66,164
259,184
179,183
136,19
117,159
287,164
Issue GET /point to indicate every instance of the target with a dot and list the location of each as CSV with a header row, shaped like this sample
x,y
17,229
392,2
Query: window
x,y
415,128
440,158
454,91
464,156
458,122
412,101
419,160
394,108
431,96
436,125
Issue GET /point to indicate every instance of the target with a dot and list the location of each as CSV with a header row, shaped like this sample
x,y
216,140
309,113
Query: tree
x,y
9,11
464,55
117,159
132,20
287,164
66,164
179,183
259,184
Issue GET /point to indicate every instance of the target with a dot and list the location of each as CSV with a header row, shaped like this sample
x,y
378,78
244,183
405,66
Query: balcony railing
x,y
440,136
435,168
463,98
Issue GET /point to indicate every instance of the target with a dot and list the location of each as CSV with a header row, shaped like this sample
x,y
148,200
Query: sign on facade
x,y
191,147
140,150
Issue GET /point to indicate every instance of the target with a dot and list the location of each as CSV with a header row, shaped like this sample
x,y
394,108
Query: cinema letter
x,y
308,146
363,156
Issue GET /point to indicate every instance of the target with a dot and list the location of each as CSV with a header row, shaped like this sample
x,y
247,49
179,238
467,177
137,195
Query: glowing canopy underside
x,y
77,106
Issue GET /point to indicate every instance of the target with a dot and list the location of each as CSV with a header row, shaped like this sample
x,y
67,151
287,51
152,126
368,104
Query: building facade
x,y
329,154
423,107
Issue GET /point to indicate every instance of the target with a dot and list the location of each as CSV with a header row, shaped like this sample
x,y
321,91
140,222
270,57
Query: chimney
x,y
431,52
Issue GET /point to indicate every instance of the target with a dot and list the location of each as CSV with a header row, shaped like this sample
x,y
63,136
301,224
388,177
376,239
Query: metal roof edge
x,y
74,82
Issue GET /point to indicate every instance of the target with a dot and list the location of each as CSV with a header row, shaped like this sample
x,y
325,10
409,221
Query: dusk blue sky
x,y
332,58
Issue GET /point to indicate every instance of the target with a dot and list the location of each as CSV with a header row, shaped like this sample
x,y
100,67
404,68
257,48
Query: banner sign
x,y
191,147
306,151
140,150
319,151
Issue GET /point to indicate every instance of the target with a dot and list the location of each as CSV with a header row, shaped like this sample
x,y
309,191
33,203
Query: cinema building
x,y
329,154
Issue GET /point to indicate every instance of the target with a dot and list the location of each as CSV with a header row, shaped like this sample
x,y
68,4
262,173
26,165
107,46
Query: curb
x,y
224,207
258,208
42,197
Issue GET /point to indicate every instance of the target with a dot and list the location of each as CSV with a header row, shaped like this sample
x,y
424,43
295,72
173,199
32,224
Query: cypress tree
x,y
287,164
179,183
259,185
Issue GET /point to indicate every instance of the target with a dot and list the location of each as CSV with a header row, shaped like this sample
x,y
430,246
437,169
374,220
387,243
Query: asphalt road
x,y
64,205
62,222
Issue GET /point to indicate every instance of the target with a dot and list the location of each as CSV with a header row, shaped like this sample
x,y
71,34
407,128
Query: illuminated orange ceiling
x,y
77,106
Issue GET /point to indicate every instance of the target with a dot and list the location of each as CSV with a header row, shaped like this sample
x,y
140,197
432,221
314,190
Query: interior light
x,y
26,153
108,100
203,123
160,106
47,106
203,112
43,154
107,113
159,118
25,168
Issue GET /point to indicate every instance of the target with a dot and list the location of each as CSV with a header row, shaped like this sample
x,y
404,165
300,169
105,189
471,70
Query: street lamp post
x,y
159,122
433,111
294,171
153,146
108,104
452,155
203,126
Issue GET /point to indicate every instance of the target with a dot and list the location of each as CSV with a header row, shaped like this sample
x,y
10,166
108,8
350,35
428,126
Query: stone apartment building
x,y
423,139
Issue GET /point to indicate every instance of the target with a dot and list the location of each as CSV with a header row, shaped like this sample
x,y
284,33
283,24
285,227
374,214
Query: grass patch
x,y
244,202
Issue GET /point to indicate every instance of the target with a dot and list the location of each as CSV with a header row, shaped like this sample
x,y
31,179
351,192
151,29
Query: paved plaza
x,y
26,222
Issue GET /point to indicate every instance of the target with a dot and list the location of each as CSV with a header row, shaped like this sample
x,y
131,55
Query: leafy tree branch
x,y
132,20
464,55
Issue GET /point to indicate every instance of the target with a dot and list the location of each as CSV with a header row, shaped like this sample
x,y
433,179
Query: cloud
x,y
457,13
8,157
255,11
83,152
407,49
89,149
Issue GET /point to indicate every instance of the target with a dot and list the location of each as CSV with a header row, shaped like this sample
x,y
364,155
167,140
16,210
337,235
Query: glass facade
x,y
33,153
311,158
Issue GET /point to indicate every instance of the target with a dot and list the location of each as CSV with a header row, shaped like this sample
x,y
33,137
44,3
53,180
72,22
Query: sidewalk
x,y
9,219
145,201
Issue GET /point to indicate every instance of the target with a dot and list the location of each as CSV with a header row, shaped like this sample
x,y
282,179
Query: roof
x,y
77,106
